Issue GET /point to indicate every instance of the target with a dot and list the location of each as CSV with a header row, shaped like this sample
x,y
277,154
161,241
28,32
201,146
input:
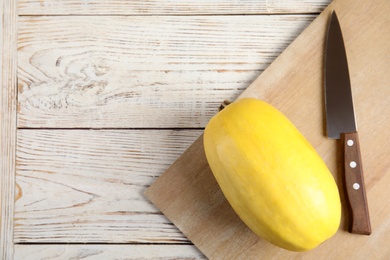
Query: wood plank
x,y
8,90
163,7
90,252
293,83
159,71
86,186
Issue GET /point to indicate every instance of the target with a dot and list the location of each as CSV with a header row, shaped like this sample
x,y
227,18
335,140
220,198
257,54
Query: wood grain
x,y
8,90
354,175
293,83
100,69
88,252
170,71
84,186
163,7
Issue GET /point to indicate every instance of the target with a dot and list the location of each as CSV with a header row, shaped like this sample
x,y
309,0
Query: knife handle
x,y
354,180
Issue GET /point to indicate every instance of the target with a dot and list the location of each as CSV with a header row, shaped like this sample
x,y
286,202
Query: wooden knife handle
x,y
354,180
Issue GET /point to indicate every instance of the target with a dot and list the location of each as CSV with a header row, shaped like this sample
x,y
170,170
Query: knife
x,y
340,124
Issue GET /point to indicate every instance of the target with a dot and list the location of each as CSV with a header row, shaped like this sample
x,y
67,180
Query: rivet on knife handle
x,y
354,180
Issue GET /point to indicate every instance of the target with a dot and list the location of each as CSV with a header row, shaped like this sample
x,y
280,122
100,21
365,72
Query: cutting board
x,y
189,196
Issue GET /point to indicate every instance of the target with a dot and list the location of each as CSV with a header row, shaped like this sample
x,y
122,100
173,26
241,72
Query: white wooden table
x,y
99,97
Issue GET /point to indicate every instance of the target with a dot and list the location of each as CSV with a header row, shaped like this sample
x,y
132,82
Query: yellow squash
x,y
271,175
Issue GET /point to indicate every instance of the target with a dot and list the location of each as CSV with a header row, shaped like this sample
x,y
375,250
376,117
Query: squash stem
x,y
224,104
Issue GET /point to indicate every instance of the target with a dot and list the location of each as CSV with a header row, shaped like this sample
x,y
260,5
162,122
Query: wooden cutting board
x,y
189,196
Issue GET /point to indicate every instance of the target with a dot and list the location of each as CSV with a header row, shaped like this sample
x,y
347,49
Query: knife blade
x,y
341,124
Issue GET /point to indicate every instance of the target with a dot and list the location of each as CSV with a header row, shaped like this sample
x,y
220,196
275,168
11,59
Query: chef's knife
x,y
340,122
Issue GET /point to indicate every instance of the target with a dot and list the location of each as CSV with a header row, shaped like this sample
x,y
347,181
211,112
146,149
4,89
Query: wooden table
x,y
99,97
